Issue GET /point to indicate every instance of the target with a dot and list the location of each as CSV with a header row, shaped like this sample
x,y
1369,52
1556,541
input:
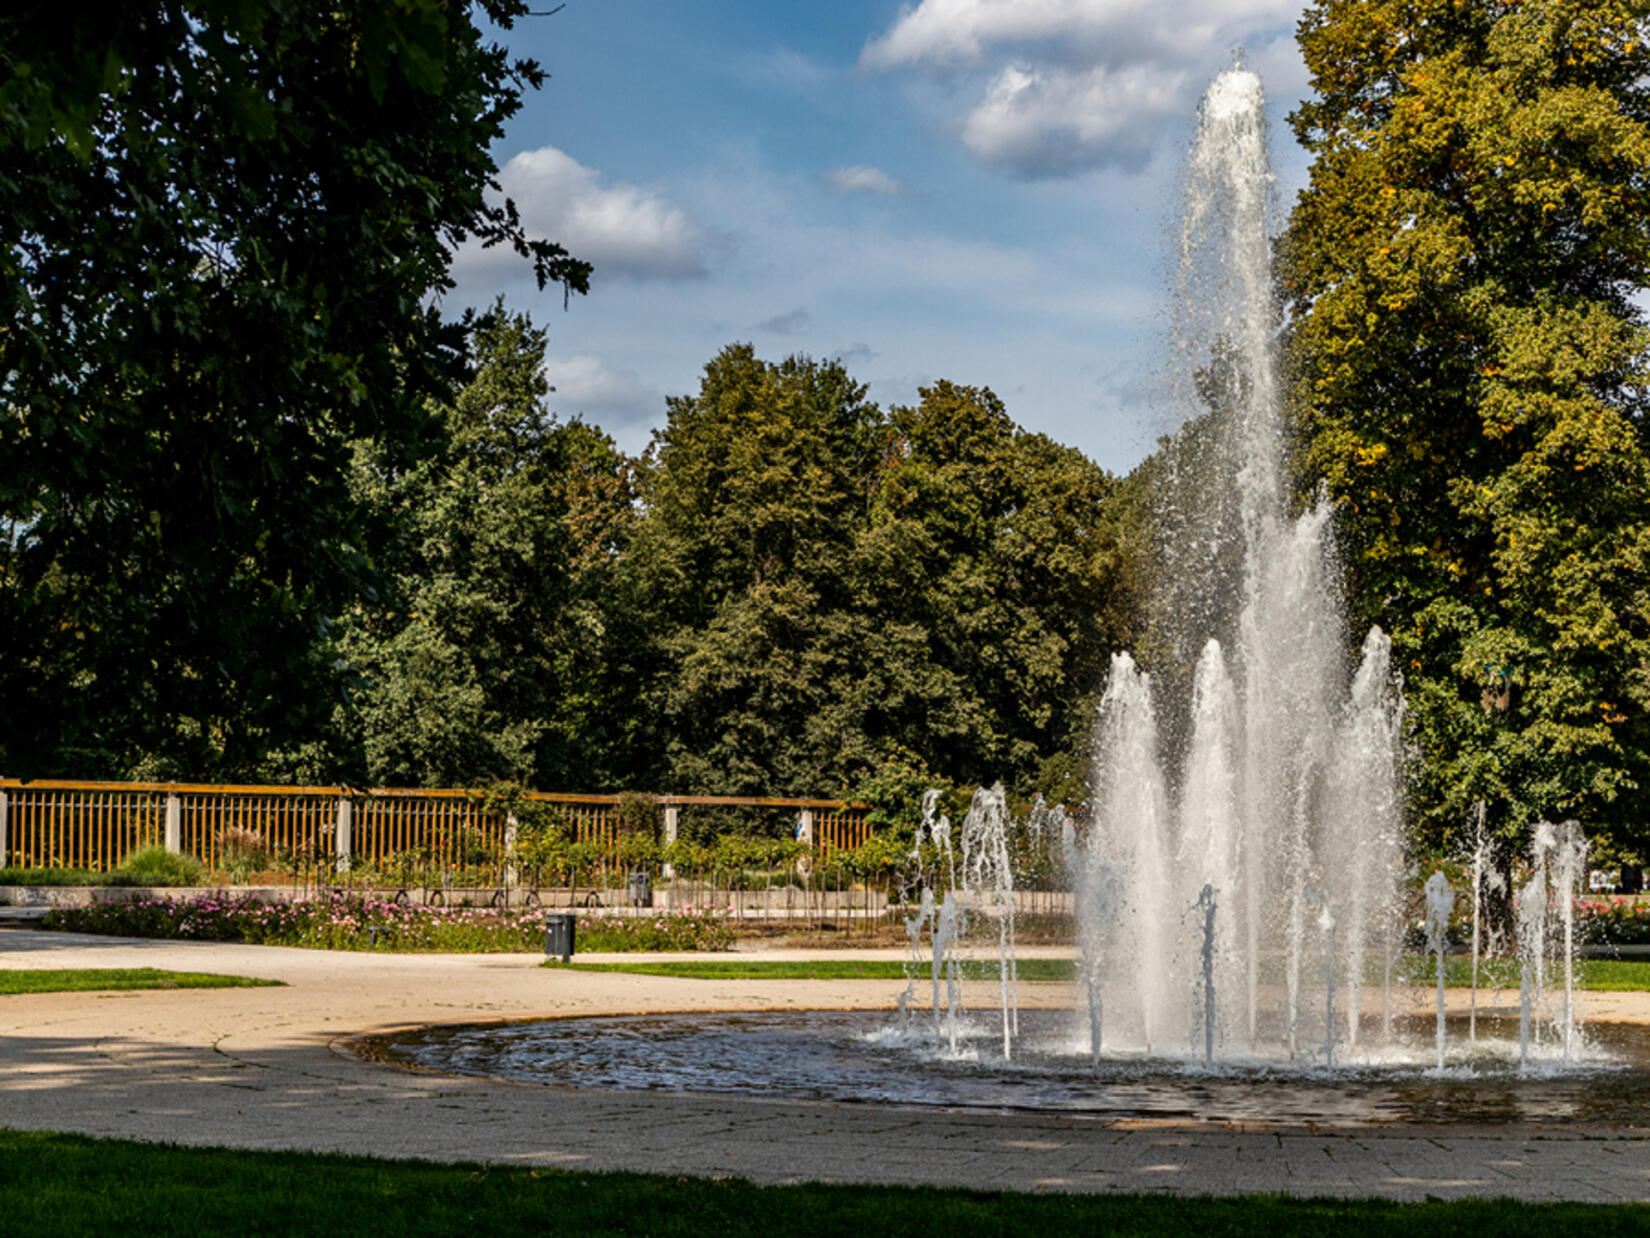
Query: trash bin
x,y
641,890
558,936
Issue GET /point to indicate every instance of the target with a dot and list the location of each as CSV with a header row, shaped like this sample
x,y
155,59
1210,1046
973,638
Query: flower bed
x,y
342,922
1613,922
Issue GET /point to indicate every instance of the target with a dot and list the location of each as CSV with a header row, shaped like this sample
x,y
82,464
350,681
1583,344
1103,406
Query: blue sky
x,y
979,190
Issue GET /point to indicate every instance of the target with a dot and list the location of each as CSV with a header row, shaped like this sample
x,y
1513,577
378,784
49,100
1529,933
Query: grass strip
x,y
1596,975
65,1184
813,969
97,979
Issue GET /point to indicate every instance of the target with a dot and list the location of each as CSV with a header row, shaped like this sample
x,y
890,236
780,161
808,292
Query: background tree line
x,y
267,513
790,592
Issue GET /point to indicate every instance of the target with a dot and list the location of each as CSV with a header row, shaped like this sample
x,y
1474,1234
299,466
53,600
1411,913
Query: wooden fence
x,y
94,825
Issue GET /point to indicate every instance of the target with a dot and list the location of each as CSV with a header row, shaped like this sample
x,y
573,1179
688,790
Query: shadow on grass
x,y
60,1184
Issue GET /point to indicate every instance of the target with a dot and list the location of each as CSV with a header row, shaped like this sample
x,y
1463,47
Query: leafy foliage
x,y
224,224
494,661
832,589
1469,372
156,866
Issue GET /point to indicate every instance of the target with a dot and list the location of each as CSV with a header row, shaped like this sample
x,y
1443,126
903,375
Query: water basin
x,y
862,1056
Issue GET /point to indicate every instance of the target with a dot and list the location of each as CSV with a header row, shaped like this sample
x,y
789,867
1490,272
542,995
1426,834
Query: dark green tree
x,y
224,230
497,660
1469,370
835,591
992,553
758,486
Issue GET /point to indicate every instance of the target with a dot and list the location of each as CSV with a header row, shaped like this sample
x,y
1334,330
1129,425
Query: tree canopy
x,y
833,588
225,225
1469,371
491,658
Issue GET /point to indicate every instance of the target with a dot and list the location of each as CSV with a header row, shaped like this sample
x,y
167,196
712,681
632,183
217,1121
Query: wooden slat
x,y
96,824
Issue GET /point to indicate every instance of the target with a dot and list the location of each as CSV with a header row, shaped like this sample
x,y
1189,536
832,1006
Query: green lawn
x,y
89,979
1599,975
63,1184
725,968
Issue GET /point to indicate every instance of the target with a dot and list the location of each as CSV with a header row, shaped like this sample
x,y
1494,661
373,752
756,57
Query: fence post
x,y
669,870
341,833
511,880
805,826
174,822
5,815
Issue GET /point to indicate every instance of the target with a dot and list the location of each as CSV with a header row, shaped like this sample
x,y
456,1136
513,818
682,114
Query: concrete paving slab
x,y
272,1069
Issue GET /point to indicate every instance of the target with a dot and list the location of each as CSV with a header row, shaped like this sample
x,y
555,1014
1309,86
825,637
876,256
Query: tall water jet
x,y
1131,850
1530,907
1278,791
1480,865
1440,903
1558,861
988,873
1571,870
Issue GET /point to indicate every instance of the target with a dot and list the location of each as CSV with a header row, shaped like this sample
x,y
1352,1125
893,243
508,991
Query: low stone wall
x,y
85,896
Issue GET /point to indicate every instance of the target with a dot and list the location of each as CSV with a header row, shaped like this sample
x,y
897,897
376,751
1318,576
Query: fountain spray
x,y
1572,865
1480,856
1440,902
1206,904
1284,775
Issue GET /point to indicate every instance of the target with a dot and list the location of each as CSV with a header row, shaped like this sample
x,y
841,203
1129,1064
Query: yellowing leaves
x,y
1368,456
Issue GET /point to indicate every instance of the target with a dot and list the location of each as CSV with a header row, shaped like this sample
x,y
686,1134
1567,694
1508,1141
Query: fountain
x,y
1440,903
1286,800
1239,885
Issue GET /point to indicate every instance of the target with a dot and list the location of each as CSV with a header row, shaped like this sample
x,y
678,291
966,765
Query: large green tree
x,y
833,588
996,551
500,655
224,229
1469,370
758,486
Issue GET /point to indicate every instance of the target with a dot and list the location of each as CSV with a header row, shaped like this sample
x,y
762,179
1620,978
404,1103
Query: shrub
x,y
243,851
349,922
49,877
154,865
1613,922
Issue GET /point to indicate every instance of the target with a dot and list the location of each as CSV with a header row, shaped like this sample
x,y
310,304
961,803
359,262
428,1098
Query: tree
x,y
997,546
226,229
758,485
836,590
495,660
1469,375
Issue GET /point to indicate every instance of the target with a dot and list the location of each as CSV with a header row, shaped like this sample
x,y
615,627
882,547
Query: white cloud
x,y
862,178
1045,121
611,397
966,30
938,30
623,230
1060,87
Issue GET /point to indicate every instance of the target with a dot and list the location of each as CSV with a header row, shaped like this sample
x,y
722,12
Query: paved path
x,y
270,1068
